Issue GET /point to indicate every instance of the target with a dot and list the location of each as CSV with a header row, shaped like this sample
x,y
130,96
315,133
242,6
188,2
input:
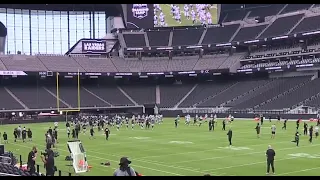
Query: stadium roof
x,y
111,9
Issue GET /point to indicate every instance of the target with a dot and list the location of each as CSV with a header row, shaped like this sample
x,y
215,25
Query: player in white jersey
x,y
273,131
178,17
156,7
56,125
162,19
187,119
172,9
155,20
193,16
202,17
68,132
209,18
186,11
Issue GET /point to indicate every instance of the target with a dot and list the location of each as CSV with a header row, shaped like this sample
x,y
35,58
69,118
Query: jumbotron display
x,y
167,15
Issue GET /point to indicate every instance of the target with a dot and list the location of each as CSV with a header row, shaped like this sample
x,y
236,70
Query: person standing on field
x,y
270,159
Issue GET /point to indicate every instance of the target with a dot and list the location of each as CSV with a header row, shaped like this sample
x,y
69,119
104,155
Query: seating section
x,y
159,64
210,62
142,94
134,40
10,170
274,90
96,64
60,64
232,92
23,63
110,94
158,38
219,34
295,7
235,15
266,11
270,94
170,95
249,33
281,26
182,63
308,24
186,37
310,88
35,97
203,91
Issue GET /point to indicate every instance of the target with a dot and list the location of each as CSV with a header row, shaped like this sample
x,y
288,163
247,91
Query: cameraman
x,y
32,160
48,160
125,169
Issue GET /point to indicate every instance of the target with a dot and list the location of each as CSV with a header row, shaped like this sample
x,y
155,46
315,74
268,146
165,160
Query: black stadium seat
x,y
158,38
281,26
186,37
249,33
308,24
134,40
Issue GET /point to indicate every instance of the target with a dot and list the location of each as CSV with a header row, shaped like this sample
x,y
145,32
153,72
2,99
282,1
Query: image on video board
x,y
167,15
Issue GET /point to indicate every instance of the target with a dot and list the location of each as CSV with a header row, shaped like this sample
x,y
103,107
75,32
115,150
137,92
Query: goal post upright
x,y
78,96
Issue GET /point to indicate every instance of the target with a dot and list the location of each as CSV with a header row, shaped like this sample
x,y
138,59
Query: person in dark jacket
x,y
270,159
230,137
125,169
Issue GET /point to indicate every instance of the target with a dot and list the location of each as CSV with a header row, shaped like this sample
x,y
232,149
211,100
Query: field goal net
x,y
78,155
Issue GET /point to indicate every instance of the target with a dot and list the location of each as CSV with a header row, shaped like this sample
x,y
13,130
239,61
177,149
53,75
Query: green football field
x,y
166,9
187,150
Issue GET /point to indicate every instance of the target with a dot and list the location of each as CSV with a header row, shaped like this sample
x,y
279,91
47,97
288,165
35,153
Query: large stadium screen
x,y
139,16
167,15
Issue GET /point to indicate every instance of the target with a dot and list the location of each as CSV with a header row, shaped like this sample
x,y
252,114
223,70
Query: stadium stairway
x,y
185,96
230,86
297,86
263,84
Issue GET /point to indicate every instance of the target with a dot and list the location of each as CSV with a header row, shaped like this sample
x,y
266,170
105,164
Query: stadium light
x,y
52,112
20,114
13,113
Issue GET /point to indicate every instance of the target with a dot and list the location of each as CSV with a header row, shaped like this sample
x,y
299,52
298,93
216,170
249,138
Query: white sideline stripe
x,y
109,160
292,172
249,164
208,150
260,152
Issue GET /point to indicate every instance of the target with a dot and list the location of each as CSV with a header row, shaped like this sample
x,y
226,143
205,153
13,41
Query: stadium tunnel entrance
x,y
150,109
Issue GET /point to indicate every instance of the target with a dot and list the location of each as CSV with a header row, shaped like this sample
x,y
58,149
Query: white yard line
x,y
292,172
260,152
97,157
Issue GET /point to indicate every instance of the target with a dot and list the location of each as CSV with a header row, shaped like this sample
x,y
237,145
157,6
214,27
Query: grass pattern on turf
x,y
184,151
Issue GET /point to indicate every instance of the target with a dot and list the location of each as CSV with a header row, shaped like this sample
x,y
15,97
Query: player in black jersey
x,y
5,138
230,137
176,121
298,124
107,133
310,133
132,123
296,138
285,124
91,133
194,120
29,133
305,129
24,134
147,123
258,128
127,123
210,123
224,125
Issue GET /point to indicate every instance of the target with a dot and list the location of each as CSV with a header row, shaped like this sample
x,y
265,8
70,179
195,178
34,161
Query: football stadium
x,y
159,89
